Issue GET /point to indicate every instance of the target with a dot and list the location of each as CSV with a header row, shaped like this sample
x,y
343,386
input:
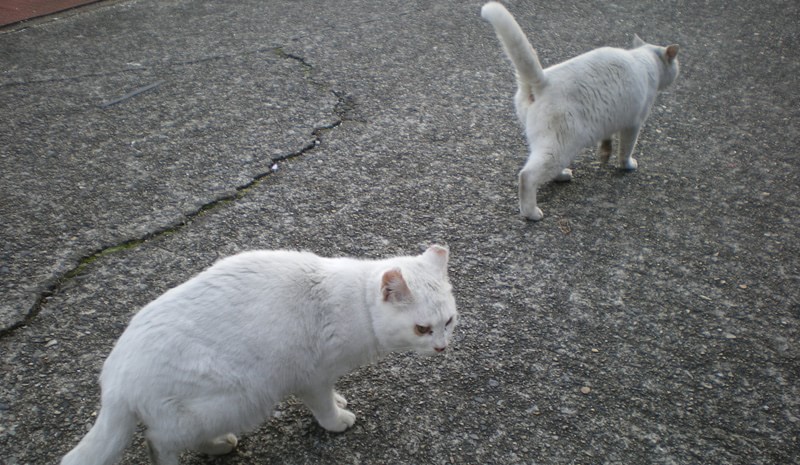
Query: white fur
x,y
214,355
580,102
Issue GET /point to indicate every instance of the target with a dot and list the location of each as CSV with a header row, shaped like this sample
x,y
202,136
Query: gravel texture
x,y
651,317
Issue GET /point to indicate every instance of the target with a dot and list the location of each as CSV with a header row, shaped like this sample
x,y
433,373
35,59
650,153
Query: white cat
x,y
579,102
213,356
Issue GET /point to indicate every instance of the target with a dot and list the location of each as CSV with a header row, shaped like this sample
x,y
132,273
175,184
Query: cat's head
x,y
417,310
668,57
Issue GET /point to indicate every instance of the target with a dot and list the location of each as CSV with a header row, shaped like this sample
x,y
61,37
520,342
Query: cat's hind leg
x,y
325,405
540,168
160,453
527,195
219,446
341,402
604,151
627,142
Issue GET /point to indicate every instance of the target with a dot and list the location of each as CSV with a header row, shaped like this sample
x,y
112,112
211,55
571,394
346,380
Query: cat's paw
x,y
630,164
564,176
534,215
343,420
220,446
341,402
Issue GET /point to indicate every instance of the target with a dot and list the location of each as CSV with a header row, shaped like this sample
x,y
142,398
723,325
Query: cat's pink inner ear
x,y
394,287
672,52
439,255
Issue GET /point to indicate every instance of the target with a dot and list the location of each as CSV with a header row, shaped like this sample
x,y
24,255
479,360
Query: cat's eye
x,y
448,322
422,330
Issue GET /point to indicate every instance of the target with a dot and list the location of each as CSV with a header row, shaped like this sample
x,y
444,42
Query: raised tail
x,y
530,75
108,438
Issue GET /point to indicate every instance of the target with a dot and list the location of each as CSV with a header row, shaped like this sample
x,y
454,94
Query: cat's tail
x,y
108,438
530,74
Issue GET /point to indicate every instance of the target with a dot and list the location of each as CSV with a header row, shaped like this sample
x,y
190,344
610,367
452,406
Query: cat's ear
x,y
637,41
394,287
671,52
438,255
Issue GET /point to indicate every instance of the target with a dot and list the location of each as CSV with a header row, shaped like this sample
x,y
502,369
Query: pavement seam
x,y
156,66
342,110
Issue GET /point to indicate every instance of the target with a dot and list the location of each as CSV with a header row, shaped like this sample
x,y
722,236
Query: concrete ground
x,y
650,317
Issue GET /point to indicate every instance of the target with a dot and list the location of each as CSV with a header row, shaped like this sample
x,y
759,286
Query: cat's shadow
x,y
594,185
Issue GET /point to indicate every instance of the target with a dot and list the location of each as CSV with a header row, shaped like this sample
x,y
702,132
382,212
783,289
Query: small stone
x,y
742,286
51,343
586,390
594,351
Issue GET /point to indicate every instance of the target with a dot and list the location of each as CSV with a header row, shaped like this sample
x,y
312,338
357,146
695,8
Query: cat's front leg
x,y
327,407
627,142
536,171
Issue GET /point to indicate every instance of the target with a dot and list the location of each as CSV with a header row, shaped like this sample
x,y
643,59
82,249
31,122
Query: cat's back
x,y
242,300
594,94
261,266
245,313
238,287
601,67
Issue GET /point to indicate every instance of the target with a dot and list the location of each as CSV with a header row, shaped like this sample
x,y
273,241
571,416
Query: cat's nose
x,y
439,349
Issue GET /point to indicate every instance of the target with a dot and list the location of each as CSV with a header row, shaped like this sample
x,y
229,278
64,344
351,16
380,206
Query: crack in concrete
x,y
342,109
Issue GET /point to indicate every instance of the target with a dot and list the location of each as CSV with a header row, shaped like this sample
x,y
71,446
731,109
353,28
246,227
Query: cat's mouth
x,y
433,352
427,351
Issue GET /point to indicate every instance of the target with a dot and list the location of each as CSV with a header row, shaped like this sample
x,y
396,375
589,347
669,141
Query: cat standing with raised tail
x,y
214,355
580,102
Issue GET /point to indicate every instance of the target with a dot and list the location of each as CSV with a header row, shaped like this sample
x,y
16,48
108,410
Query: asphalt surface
x,y
650,317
